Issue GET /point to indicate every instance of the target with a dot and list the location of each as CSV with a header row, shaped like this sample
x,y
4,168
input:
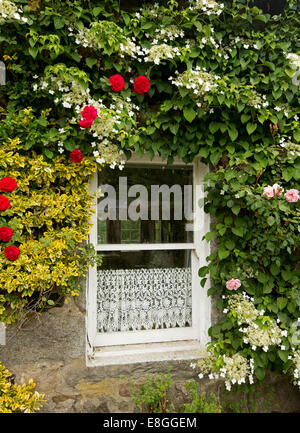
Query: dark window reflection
x,y
146,259
161,230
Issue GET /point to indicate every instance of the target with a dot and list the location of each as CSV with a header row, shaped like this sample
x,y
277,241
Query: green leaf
x,y
230,244
223,253
290,72
215,156
203,271
274,269
209,236
189,114
233,134
33,51
270,220
90,61
96,12
48,153
297,135
236,209
259,373
261,18
147,25
245,118
213,127
221,98
59,22
50,302
283,355
251,127
281,303
270,65
238,231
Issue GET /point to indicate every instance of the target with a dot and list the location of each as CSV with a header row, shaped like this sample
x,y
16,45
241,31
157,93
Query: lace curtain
x,y
138,299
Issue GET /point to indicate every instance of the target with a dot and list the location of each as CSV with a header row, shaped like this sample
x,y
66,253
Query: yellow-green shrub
x,y
50,215
17,398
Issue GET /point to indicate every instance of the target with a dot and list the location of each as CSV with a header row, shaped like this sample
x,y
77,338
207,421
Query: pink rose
x,y
269,191
233,284
278,190
292,195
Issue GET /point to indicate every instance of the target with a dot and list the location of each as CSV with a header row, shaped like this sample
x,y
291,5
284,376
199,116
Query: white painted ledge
x,y
137,353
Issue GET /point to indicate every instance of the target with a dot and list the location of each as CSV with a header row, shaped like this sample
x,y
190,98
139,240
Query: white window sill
x,y
151,352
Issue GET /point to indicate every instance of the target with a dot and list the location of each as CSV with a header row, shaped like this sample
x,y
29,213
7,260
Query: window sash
x,y
144,247
200,302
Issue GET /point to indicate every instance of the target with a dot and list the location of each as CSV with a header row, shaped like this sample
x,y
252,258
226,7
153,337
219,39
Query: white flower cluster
x,y
86,38
294,59
243,307
130,48
284,108
104,129
246,43
157,53
235,369
296,372
70,93
257,100
205,365
263,337
207,6
290,146
198,81
8,10
169,33
150,11
91,38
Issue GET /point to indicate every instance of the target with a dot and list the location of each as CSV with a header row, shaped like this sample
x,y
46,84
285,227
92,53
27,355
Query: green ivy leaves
x,y
189,114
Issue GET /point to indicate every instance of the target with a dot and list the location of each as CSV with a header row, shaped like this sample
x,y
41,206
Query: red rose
x,y
76,155
85,123
6,234
141,84
117,82
286,223
275,127
4,203
8,184
11,253
89,113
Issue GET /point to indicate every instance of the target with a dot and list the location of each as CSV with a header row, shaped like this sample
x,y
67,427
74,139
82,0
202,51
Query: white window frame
x,y
160,344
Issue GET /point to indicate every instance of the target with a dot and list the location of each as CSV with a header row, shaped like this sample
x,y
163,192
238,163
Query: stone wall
x,y
52,351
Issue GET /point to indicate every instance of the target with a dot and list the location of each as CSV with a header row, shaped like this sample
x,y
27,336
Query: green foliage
x,y
248,84
17,398
259,397
201,403
151,396
49,215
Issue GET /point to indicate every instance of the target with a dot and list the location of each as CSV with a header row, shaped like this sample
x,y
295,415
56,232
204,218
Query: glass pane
x,y
145,204
142,290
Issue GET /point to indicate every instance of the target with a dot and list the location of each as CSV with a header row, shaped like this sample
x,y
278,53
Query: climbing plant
x,y
178,79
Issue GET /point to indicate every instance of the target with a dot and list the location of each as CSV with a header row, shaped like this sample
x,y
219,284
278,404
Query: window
x,y
145,302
